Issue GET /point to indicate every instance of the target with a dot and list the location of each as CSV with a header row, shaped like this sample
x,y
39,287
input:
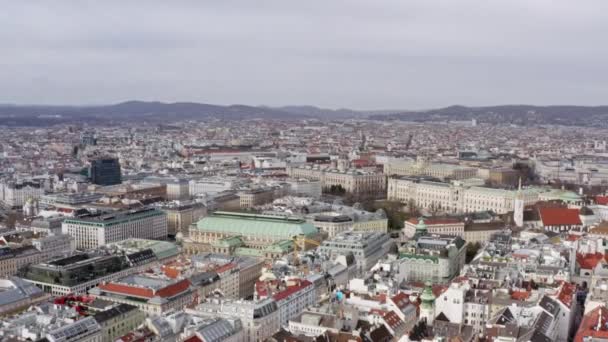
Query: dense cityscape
x,y
304,171
303,230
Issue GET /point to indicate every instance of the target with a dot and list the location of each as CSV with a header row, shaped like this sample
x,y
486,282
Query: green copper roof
x,y
282,246
421,225
245,251
233,241
250,224
427,296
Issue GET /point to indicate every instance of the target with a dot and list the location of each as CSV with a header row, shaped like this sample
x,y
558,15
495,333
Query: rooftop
x,y
246,224
108,218
560,216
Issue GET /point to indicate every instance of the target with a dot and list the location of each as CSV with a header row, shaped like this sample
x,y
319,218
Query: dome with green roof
x,y
421,228
427,297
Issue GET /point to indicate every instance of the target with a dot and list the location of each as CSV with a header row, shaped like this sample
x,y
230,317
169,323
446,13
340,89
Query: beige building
x,y
443,226
481,232
251,198
229,279
181,215
13,259
455,197
333,223
422,167
118,321
151,294
353,181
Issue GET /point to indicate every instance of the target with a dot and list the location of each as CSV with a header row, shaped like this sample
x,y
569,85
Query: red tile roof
x,y
432,221
225,267
174,289
573,237
520,295
171,271
439,289
127,290
381,298
602,200
291,290
393,320
589,325
589,261
194,338
401,300
560,217
141,292
566,293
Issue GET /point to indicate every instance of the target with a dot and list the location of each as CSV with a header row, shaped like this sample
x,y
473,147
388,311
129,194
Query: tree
x,y
336,190
472,250
394,213
412,208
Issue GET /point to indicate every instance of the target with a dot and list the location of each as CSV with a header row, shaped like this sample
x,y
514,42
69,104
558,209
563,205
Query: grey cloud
x,y
355,53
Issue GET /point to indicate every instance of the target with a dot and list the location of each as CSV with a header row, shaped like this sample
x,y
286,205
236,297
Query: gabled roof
x,y
589,261
560,217
401,300
589,325
291,290
392,320
565,294
442,317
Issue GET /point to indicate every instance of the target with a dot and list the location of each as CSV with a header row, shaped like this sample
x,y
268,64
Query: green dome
x,y
427,297
421,225
421,228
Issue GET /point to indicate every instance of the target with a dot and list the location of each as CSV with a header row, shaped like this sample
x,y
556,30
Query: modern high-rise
x,y
105,171
93,231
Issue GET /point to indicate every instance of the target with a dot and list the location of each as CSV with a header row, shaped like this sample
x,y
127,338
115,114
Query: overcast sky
x,y
370,54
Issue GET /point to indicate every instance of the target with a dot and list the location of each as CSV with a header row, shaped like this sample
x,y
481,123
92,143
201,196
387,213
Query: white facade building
x,y
15,194
98,230
294,300
54,245
456,197
305,187
209,186
260,318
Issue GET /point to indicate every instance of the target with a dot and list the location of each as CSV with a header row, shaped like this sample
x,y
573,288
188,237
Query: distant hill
x,y
15,115
509,114
341,113
135,110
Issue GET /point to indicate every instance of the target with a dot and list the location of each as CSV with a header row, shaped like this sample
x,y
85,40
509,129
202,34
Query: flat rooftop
x,y
115,216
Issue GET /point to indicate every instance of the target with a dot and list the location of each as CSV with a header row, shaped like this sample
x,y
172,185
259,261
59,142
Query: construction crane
x,y
300,239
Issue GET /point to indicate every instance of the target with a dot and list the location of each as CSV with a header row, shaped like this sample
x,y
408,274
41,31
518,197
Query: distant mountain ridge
x,y
154,111
509,114
146,109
